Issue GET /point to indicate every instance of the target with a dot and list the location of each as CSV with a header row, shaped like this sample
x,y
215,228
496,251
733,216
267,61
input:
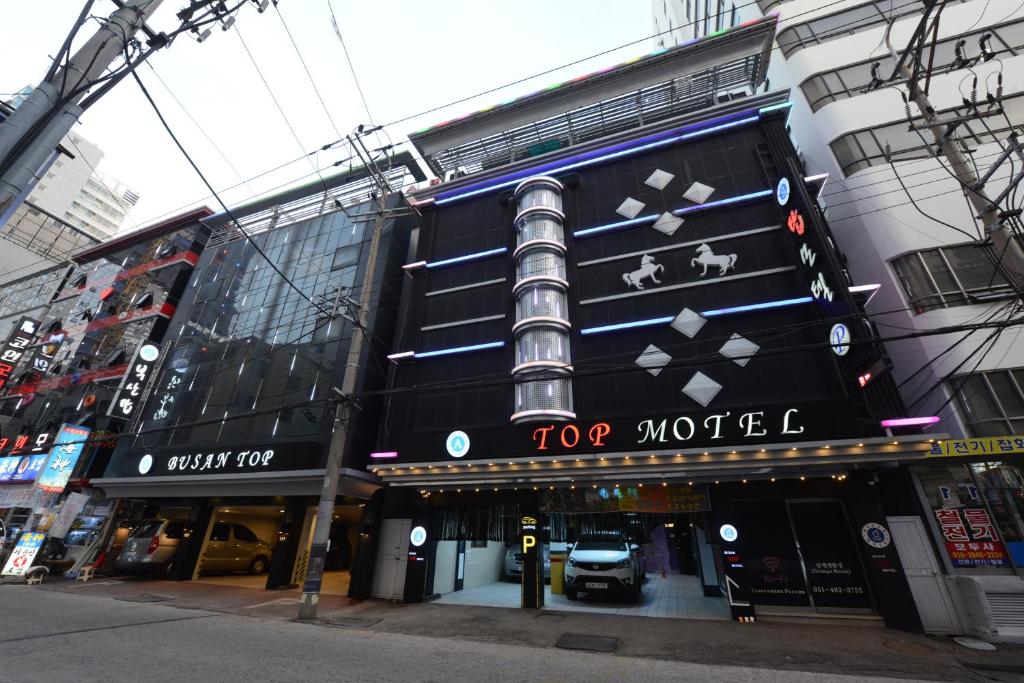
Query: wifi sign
x,y
771,563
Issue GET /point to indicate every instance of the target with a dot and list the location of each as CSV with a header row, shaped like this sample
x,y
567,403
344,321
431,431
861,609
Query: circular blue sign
x,y
457,444
782,192
839,338
728,533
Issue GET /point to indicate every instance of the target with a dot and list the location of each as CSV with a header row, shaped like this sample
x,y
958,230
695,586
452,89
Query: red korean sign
x,y
23,334
971,538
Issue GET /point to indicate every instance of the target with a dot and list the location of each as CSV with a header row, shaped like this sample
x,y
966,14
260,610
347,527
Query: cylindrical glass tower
x,y
543,362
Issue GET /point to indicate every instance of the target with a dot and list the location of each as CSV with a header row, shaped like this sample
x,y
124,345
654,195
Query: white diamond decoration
x,y
698,193
702,388
653,360
659,179
688,322
630,208
667,223
739,350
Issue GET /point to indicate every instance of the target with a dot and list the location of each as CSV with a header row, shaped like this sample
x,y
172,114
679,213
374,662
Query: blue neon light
x,y
460,349
624,326
650,322
467,257
758,307
775,107
596,156
677,212
613,226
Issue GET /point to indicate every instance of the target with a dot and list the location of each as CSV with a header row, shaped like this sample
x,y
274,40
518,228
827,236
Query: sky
x,y
409,56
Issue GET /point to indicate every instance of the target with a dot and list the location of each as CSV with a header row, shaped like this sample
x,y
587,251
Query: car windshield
x,y
600,544
147,529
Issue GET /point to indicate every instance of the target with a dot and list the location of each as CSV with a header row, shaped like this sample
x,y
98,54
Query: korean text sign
x,y
23,334
67,447
23,554
971,538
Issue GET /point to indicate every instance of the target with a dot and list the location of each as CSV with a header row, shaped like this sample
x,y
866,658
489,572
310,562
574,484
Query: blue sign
x,y
457,444
30,466
67,448
839,337
782,192
8,466
728,533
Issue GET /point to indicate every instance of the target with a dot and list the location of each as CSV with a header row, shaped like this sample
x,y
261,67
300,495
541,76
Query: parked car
x,y
151,547
514,562
605,563
234,547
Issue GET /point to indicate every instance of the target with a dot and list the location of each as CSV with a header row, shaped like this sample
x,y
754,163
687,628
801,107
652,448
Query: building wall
x,y
870,214
484,565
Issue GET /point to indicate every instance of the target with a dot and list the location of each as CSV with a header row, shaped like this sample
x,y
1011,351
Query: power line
x,y
206,182
351,67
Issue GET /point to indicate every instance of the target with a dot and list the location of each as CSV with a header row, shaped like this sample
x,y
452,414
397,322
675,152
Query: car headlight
x,y
572,562
624,564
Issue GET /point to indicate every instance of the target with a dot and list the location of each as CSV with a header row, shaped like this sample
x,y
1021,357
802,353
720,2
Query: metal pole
x,y
986,210
325,511
25,138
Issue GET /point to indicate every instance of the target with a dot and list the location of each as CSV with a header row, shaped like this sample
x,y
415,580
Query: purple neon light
x,y
911,421
496,183
384,454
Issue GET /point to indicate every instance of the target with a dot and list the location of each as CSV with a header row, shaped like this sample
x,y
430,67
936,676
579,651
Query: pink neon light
x,y
385,454
910,421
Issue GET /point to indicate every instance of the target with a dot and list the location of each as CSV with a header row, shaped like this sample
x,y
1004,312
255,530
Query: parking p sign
x,y
23,554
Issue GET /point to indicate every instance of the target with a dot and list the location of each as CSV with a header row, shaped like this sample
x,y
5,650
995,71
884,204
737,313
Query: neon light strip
x,y
599,155
774,107
911,421
758,307
385,454
678,212
467,257
459,349
651,322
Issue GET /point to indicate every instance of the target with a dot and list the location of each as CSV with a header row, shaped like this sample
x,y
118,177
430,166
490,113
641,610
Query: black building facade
x,y
641,324
237,427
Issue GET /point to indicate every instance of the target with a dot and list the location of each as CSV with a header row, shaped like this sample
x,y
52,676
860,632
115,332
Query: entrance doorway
x,y
800,555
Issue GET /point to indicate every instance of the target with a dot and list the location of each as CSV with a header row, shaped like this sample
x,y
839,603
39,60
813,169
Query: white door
x,y
927,583
392,558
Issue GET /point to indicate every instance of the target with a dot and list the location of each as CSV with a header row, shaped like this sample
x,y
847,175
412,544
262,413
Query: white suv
x,y
604,562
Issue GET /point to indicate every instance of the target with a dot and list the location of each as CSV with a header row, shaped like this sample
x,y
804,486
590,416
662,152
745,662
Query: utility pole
x,y
36,127
1007,248
33,131
325,511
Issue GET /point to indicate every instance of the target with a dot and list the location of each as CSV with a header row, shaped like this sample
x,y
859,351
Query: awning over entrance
x,y
765,460
290,483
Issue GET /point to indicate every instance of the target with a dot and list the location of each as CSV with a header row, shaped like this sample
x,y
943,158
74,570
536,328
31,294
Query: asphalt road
x,y
54,636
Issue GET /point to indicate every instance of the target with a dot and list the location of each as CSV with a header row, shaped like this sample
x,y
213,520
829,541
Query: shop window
x,y
992,402
957,275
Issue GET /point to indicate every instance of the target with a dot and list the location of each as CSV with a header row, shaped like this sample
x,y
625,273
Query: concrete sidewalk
x,y
824,648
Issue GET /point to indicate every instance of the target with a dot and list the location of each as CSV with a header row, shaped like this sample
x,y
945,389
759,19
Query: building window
x,y
992,402
861,149
852,80
957,275
844,23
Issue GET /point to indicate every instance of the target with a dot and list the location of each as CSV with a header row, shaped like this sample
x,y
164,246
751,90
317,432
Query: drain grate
x,y
582,641
147,597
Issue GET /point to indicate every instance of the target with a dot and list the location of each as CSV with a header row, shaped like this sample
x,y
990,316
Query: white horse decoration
x,y
707,258
648,268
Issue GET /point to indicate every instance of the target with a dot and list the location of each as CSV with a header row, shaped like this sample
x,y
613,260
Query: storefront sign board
x,y
23,334
971,538
67,447
68,511
986,445
24,552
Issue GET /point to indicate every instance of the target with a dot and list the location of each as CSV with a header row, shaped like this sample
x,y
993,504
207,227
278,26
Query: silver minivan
x,y
152,545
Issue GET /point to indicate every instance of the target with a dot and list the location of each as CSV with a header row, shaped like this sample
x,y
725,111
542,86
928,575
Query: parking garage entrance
x,y
248,546
601,552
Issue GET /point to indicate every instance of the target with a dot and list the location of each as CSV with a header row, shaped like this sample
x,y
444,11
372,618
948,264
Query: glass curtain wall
x,y
254,359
